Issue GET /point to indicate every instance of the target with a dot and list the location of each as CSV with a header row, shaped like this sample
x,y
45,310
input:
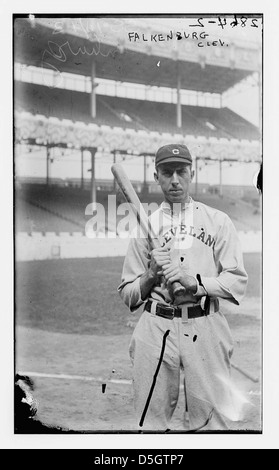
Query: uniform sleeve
x,y
232,278
135,264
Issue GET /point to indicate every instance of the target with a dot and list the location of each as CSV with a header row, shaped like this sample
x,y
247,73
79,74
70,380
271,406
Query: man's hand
x,y
159,257
173,273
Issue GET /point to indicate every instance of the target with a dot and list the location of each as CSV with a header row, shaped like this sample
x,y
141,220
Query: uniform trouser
x,y
203,348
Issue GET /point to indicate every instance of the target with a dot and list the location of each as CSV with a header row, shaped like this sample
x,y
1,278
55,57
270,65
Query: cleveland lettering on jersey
x,y
182,229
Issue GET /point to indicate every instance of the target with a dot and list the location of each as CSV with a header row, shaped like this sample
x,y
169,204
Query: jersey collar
x,y
167,208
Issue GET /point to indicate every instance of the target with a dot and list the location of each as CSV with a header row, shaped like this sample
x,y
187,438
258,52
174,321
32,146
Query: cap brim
x,y
173,159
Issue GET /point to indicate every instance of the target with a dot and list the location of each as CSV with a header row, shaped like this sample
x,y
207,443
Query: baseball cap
x,y
173,153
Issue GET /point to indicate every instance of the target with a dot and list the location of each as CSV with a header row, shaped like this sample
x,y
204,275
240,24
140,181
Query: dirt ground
x,y
75,400
71,366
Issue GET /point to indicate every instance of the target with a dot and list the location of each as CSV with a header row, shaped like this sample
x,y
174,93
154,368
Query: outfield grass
x,y
80,295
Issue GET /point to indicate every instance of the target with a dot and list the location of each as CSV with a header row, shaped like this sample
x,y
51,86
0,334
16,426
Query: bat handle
x,y
178,289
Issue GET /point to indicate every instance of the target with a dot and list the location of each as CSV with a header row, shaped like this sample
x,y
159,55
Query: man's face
x,y
174,179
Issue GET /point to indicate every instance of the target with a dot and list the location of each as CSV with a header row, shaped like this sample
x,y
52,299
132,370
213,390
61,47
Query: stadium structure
x,y
69,77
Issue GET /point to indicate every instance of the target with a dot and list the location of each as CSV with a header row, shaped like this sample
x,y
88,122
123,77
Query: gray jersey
x,y
203,240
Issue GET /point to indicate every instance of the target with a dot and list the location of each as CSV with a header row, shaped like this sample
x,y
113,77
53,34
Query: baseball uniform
x,y
204,242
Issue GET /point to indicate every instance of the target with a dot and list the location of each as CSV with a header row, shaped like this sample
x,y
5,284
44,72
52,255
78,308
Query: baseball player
x,y
201,251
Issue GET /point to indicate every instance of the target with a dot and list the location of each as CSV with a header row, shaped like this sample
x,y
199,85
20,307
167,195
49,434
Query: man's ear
x,y
156,177
192,174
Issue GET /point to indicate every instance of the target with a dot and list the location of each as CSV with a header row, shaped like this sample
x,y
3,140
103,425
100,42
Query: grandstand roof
x,y
58,45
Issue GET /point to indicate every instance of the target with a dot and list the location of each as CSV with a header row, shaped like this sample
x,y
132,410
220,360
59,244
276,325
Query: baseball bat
x,y
131,197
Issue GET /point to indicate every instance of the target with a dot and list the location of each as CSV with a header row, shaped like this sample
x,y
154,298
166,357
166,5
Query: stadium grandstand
x,y
85,96
133,114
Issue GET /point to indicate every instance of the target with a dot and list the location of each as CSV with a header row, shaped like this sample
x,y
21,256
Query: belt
x,y
170,312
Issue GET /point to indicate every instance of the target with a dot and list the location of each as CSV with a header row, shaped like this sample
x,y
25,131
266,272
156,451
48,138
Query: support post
x,y
196,171
93,91
220,179
47,163
178,102
114,182
93,181
144,175
82,174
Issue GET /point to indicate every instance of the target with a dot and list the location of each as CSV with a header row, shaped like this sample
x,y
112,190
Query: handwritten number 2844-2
x,y
242,21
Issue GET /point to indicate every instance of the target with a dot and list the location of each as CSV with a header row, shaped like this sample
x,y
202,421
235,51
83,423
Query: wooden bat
x,y
131,197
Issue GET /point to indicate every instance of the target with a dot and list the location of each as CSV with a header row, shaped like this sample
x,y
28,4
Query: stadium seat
x,y
140,115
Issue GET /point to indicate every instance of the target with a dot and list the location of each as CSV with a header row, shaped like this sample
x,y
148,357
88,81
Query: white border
x,y
269,438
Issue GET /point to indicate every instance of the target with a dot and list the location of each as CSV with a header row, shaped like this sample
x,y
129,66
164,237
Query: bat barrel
x,y
132,198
